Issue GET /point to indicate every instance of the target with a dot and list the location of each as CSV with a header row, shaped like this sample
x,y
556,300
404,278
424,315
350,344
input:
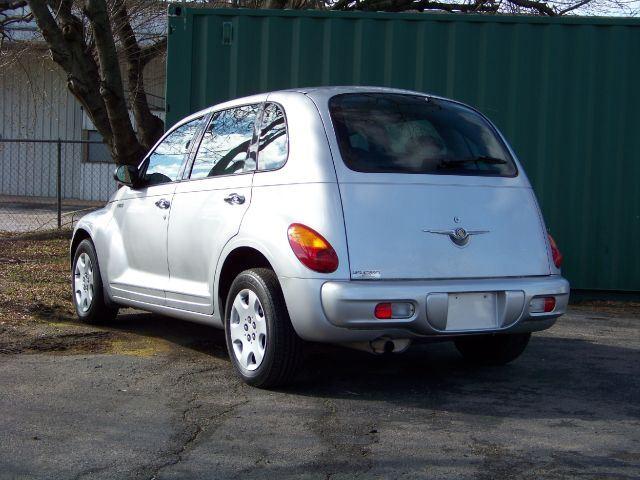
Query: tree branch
x,y
574,6
150,127
478,6
125,144
6,6
402,5
149,52
541,7
68,49
51,33
486,6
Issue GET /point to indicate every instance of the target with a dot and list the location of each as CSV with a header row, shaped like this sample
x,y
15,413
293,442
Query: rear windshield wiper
x,y
479,159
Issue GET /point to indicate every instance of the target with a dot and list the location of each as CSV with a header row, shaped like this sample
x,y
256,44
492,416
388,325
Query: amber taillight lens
x,y
555,252
312,249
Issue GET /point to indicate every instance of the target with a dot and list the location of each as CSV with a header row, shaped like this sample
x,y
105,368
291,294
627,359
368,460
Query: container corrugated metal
x,y
563,90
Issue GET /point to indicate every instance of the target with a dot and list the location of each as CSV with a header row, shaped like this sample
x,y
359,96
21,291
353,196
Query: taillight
x,y
388,310
555,252
542,305
312,249
549,304
383,311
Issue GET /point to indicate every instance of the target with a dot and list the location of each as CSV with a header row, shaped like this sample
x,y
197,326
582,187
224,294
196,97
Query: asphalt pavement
x,y
154,398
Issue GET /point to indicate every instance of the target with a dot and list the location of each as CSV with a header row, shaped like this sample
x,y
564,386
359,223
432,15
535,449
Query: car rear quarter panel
x,y
304,190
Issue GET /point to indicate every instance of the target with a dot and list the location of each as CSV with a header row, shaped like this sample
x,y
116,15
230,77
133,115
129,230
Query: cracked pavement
x,y
153,398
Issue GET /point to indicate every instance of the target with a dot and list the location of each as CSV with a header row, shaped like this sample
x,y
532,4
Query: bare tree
x,y
90,40
531,7
12,12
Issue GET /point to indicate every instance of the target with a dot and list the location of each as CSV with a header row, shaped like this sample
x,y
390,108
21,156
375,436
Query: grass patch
x,y
36,307
35,278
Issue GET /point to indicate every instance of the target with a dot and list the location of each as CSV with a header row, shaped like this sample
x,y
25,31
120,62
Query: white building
x,y
35,104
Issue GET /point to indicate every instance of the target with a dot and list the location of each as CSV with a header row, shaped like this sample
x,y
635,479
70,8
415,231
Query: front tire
x,y
86,284
498,349
263,346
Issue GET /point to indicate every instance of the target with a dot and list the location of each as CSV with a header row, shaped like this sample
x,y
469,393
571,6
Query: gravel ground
x,y
30,214
154,398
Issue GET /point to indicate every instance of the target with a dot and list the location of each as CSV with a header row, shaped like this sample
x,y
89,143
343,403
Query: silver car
x,y
368,217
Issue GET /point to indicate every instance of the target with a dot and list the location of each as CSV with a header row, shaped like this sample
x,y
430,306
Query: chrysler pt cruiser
x,y
367,217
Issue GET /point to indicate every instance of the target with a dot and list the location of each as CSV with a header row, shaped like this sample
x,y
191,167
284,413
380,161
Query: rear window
x,y
399,133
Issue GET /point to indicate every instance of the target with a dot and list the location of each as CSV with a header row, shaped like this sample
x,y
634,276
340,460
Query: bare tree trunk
x,y
150,127
96,84
125,144
68,50
275,4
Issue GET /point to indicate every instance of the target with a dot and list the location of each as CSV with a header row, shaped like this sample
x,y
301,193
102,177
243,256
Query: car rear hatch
x,y
399,230
433,214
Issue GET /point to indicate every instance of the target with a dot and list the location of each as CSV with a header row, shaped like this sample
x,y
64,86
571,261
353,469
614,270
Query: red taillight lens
x,y
383,311
549,304
312,249
555,251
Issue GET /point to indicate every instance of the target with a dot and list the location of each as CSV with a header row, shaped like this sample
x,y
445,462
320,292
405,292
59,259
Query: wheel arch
x,y
78,236
83,232
238,259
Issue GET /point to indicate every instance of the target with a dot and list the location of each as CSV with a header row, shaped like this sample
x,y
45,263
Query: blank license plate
x,y
472,311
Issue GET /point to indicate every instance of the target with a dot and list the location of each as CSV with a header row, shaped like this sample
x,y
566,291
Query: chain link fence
x,y
49,184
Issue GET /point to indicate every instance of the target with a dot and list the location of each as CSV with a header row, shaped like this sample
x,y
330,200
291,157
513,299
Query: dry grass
x,y
34,279
36,309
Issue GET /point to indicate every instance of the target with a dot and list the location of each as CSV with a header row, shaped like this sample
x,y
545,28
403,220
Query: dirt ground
x,y
150,397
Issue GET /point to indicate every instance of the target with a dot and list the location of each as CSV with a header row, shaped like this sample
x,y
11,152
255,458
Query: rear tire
x,y
264,348
86,285
498,349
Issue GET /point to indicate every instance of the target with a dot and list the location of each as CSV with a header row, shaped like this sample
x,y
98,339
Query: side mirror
x,y
127,175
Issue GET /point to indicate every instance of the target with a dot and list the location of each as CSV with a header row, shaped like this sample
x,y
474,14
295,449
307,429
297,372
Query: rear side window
x,y
225,143
398,133
273,146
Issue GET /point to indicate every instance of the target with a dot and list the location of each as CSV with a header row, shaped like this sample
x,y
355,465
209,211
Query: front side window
x,y
272,146
164,163
225,143
400,133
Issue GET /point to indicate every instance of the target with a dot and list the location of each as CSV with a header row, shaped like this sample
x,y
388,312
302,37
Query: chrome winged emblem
x,y
459,235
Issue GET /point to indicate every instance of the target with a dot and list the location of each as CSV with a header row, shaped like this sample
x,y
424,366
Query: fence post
x,y
59,182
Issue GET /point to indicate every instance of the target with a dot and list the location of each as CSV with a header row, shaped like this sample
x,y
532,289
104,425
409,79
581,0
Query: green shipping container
x,y
565,91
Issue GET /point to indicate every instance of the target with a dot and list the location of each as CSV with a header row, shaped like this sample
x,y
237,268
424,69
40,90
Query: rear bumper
x,y
342,311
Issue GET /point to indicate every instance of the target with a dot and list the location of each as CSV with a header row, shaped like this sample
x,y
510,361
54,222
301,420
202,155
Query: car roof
x,y
318,94
322,94
339,89
326,91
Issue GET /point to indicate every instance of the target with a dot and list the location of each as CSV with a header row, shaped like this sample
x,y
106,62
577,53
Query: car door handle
x,y
163,203
234,199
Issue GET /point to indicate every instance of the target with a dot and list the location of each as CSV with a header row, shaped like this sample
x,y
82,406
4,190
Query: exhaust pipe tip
x,y
382,345
389,346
